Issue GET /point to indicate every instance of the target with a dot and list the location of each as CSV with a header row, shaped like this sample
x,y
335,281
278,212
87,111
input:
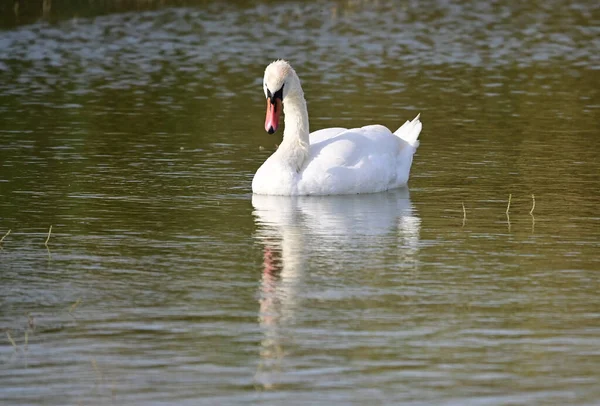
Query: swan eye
x,y
278,94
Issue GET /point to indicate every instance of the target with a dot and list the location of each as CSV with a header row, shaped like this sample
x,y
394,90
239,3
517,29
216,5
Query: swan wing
x,y
358,160
325,134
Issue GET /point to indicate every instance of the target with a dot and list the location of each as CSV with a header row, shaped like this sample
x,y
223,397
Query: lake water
x,y
135,135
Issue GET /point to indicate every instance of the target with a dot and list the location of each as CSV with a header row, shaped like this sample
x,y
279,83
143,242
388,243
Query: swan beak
x,y
273,112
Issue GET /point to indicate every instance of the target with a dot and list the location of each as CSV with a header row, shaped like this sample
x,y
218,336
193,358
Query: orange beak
x,y
273,113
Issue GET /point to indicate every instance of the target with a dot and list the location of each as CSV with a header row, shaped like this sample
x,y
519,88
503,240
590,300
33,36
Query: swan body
x,y
332,161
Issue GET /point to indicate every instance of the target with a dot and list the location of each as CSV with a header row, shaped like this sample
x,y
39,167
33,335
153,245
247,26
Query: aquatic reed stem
x,y
508,207
533,206
12,341
74,305
48,239
5,235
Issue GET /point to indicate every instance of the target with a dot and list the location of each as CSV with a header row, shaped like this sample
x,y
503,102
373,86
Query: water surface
x,y
136,134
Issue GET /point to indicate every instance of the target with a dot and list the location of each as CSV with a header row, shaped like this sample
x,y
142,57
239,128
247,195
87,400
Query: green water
x,y
135,135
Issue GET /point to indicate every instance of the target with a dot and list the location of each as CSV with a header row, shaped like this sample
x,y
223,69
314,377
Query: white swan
x,y
332,161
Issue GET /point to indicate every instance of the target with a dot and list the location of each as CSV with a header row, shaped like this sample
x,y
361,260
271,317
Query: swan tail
x,y
410,131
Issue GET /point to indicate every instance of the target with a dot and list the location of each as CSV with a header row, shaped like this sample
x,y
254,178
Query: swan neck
x,y
295,142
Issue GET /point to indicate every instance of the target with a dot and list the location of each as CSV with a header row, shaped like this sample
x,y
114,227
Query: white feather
x,y
332,161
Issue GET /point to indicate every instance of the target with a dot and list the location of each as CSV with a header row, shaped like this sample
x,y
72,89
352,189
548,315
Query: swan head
x,y
280,79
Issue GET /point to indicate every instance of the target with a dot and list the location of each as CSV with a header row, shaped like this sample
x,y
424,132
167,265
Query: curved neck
x,y
295,144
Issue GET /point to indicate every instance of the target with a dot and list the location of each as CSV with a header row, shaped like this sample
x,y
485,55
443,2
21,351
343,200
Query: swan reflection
x,y
308,237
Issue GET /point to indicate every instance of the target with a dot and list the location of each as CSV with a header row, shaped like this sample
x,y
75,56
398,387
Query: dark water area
x,y
134,131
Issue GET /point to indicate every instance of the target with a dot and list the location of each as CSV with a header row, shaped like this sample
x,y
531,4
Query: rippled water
x,y
136,136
